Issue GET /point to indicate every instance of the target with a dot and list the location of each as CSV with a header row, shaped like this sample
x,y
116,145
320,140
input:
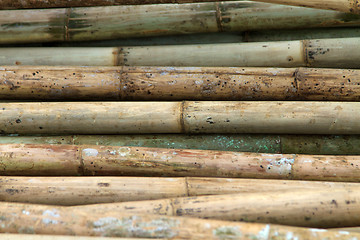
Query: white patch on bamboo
x,y
264,233
124,151
52,213
90,152
280,166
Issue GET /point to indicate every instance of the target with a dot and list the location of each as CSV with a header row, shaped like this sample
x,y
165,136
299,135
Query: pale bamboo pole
x,y
300,207
20,4
70,191
101,23
178,83
179,117
4,236
350,229
350,6
293,144
42,219
70,160
332,53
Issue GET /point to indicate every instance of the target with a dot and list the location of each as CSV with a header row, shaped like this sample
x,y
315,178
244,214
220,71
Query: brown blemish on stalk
x,y
218,17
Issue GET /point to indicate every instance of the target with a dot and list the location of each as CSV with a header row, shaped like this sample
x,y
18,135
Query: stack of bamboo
x,y
114,126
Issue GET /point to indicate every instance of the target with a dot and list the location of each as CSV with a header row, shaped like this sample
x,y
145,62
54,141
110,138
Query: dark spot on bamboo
x,y
12,191
18,121
103,184
334,202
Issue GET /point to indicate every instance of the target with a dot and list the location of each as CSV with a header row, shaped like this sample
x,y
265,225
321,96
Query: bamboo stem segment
x,y
332,53
70,191
69,160
350,6
299,207
179,117
293,144
101,23
40,219
178,83
4,236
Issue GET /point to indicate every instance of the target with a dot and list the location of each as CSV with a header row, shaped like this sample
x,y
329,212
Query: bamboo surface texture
x,y
307,208
101,23
169,83
293,144
70,191
71,160
332,53
350,6
179,117
4,236
42,219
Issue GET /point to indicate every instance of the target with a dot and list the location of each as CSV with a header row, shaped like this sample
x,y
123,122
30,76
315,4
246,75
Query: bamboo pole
x,y
169,83
42,219
179,117
70,191
101,23
71,160
332,53
299,207
293,144
350,6
4,236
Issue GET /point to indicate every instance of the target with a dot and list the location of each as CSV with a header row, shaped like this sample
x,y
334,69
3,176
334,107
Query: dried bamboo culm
x,y
101,23
4,236
70,191
332,53
179,117
293,144
350,6
299,207
42,219
71,160
169,83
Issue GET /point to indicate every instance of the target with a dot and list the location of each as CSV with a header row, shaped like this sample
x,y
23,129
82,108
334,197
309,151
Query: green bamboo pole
x,y
72,160
70,191
297,144
178,83
350,6
179,117
40,219
333,53
101,23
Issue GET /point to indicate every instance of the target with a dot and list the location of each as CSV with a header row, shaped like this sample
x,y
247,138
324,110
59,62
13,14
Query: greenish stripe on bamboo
x,y
296,144
70,191
178,83
180,117
332,53
101,23
72,160
42,219
350,6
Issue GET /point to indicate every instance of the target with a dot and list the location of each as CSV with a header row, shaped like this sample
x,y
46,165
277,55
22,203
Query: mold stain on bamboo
x,y
227,232
134,227
90,152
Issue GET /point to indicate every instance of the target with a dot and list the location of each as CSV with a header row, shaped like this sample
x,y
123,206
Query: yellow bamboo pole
x,y
331,53
4,236
300,207
42,219
350,6
70,191
69,160
178,83
179,117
